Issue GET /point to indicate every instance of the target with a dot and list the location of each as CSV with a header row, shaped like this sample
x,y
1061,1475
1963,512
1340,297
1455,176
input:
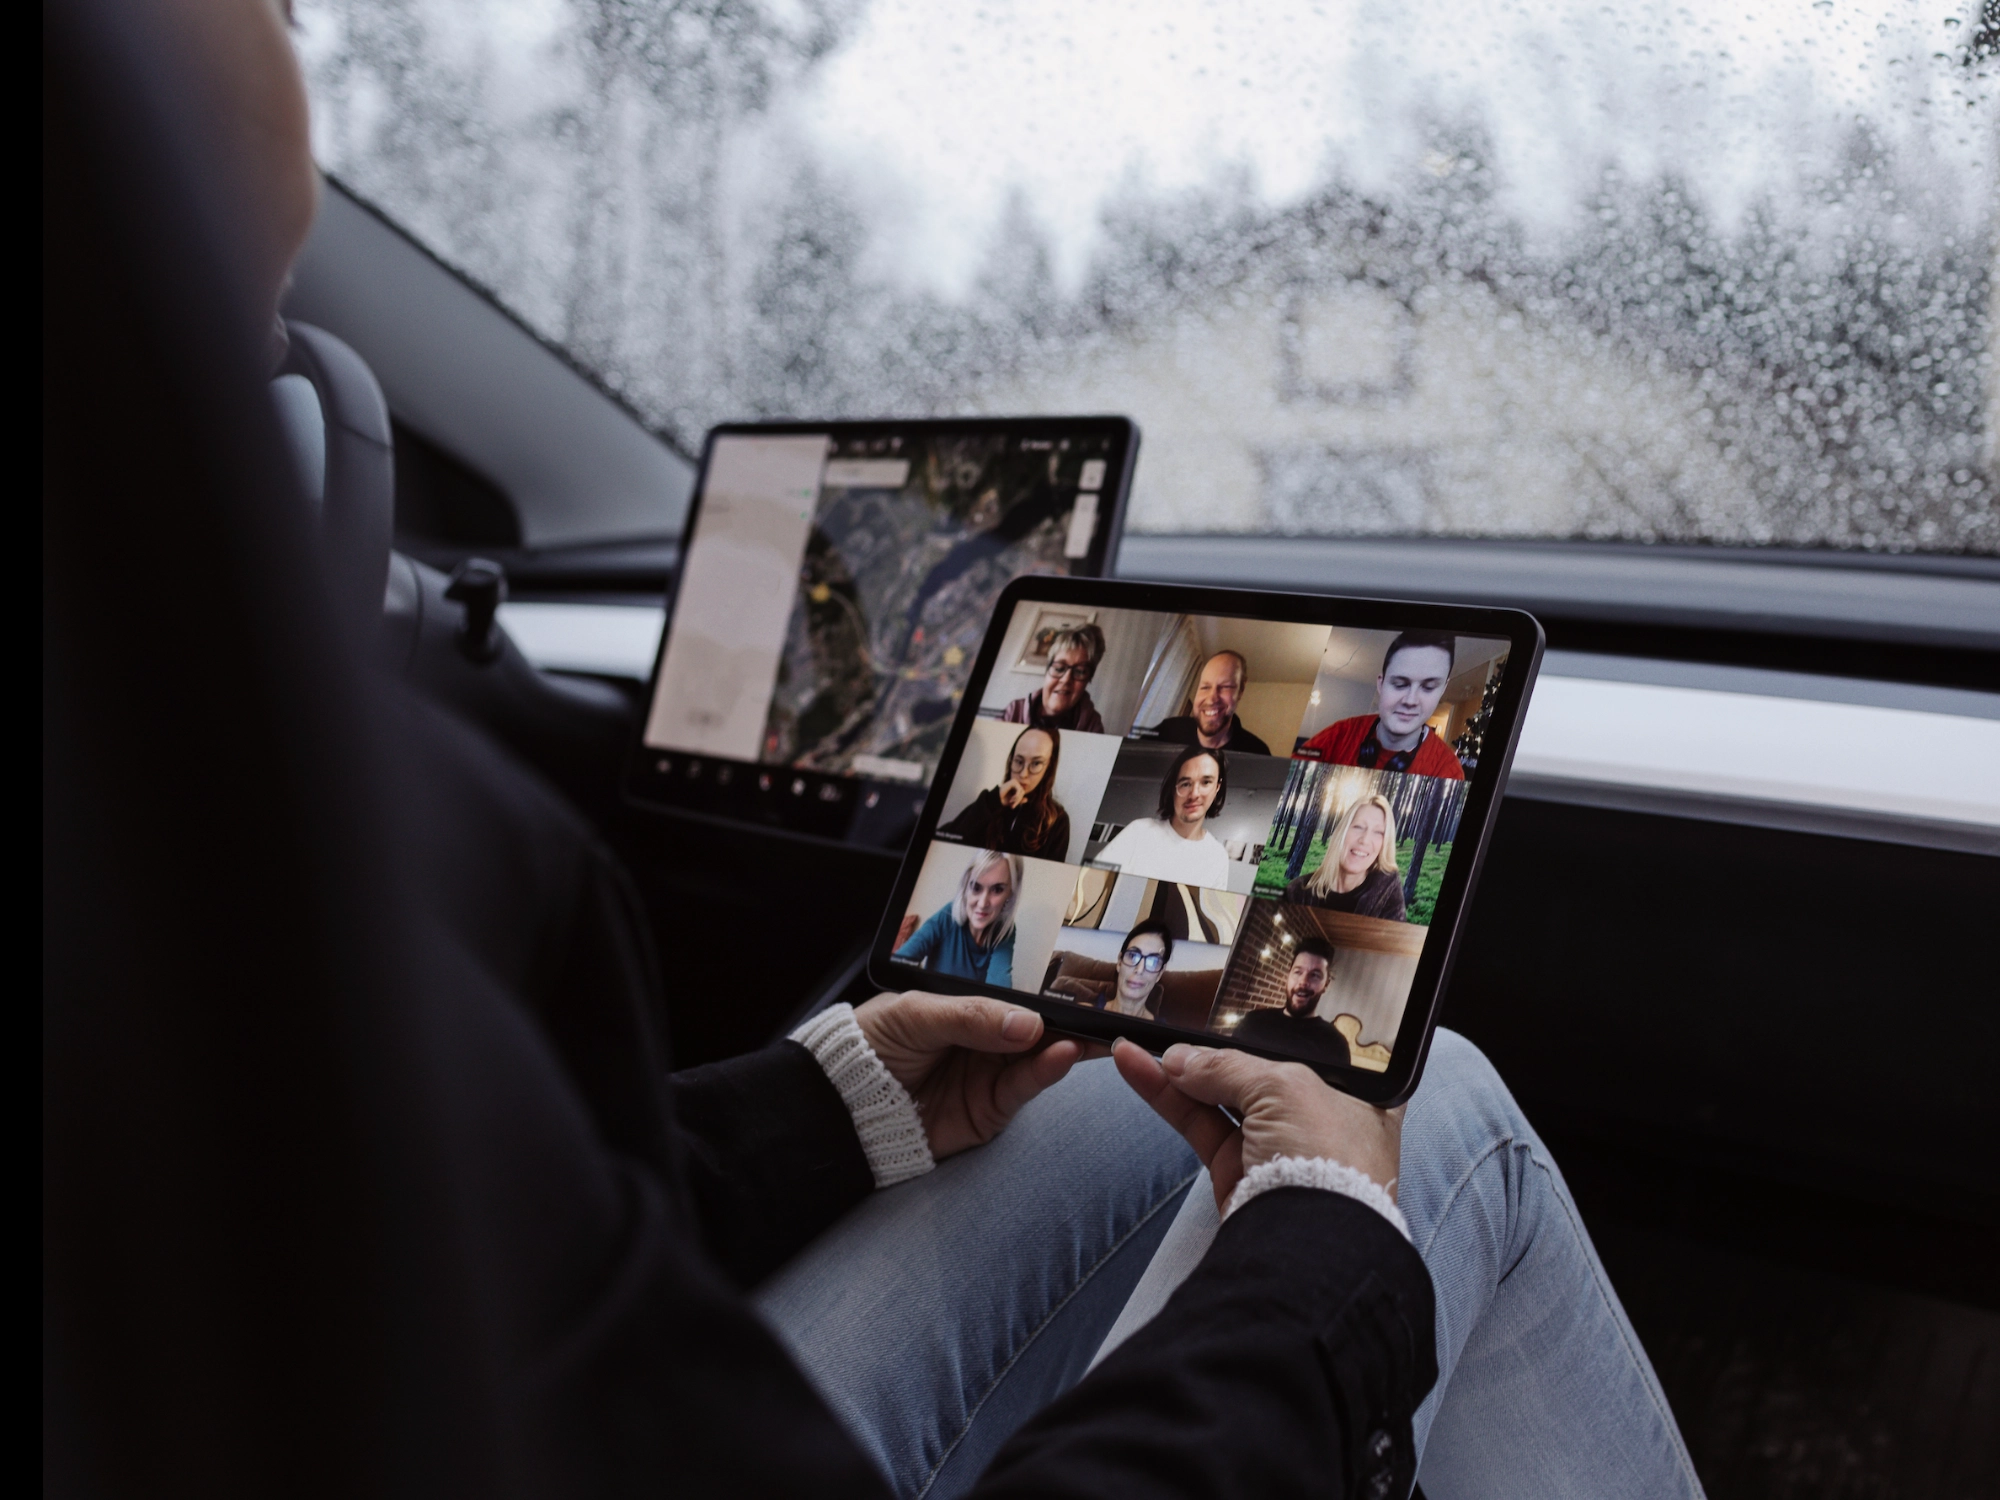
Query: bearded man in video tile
x,y
1213,725
1398,735
1292,1028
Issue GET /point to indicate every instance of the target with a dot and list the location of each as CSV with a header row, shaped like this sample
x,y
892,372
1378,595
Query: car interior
x,y
1731,947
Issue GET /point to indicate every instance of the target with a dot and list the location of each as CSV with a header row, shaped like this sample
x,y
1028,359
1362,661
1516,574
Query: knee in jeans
x,y
1462,1086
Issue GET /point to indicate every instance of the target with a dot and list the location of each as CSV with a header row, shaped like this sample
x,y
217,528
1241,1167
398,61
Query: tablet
x,y
835,580
1183,814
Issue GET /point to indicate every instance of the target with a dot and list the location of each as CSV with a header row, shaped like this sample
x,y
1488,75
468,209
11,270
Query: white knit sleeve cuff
x,y
1317,1172
885,1116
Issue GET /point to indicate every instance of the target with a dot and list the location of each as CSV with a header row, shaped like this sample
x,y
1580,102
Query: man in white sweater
x,y
1176,844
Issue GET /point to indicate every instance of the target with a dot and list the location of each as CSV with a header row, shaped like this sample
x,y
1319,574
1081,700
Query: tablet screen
x,y
1223,825
834,587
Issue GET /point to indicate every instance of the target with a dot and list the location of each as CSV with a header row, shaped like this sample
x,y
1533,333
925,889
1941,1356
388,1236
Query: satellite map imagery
x,y
896,590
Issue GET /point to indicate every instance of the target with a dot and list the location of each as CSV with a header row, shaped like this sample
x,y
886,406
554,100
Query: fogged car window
x,y
1720,273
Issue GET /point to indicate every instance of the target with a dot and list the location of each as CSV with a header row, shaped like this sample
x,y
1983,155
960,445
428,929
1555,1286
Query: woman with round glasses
x,y
1021,815
1142,966
1135,990
1063,699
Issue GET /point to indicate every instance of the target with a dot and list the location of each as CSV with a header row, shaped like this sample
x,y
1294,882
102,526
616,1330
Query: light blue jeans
x,y
943,1313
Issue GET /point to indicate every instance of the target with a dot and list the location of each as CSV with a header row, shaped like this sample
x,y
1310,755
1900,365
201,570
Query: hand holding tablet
x,y
1250,820
969,1063
1278,1110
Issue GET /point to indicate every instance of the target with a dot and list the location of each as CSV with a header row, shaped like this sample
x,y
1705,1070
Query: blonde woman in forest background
x,y
1358,873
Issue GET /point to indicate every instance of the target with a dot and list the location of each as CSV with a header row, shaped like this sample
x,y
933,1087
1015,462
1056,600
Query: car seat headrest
x,y
304,426
343,441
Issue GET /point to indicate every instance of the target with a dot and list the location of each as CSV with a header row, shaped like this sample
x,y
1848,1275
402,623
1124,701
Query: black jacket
x,y
1380,894
364,1169
1305,1037
1182,730
1290,1362
991,824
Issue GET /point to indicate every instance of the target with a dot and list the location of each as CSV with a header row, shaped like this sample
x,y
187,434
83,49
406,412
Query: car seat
x,y
337,426
442,633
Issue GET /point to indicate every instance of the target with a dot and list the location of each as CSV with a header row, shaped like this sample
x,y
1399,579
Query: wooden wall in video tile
x,y
1374,962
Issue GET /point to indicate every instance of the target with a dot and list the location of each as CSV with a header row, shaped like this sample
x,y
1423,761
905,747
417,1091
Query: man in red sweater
x,y
1396,737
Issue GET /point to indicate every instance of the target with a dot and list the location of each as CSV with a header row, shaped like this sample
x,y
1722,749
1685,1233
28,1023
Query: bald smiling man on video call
x,y
1213,725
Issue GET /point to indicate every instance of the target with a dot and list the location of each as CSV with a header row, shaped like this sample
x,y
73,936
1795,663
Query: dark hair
x,y
1159,929
1423,640
1188,753
1041,801
1318,947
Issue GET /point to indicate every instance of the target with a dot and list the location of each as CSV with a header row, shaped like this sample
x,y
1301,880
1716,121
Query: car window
x,y
1718,274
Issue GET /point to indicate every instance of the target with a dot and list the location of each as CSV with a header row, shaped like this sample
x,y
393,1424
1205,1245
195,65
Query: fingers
x,y
1203,1127
1138,1068
934,1022
1217,1075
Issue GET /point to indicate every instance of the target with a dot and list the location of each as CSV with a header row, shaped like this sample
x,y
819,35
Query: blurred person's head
x,y
236,56
1193,789
987,892
1073,657
1223,678
1362,838
1311,971
1415,669
1148,949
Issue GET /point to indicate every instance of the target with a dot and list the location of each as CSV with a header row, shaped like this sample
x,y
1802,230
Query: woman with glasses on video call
x,y
1135,989
1021,815
1063,699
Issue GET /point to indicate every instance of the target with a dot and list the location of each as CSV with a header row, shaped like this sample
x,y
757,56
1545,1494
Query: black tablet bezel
x,y
1486,785
644,786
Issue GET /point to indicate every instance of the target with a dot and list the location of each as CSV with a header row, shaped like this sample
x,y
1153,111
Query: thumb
x,y
934,1022
1217,1075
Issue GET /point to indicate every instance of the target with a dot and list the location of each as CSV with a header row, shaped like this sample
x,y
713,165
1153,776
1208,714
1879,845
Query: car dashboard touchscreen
x,y
835,583
1171,813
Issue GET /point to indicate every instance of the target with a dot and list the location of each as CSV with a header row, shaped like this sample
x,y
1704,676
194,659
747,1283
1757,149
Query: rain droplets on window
x,y
1544,269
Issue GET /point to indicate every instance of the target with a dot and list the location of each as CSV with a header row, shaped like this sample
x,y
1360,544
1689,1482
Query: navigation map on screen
x,y
834,590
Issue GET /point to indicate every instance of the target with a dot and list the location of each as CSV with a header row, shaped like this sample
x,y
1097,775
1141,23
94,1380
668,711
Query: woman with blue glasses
x,y
1134,990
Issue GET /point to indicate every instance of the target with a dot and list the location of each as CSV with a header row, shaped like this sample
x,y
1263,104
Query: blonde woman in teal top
x,y
973,938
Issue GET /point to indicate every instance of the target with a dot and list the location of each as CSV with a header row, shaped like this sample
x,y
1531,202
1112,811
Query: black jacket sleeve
x,y
979,822
1289,1363
770,1156
760,1144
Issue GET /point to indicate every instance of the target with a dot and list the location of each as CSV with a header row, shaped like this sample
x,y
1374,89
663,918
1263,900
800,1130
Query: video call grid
x,y
1205,932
